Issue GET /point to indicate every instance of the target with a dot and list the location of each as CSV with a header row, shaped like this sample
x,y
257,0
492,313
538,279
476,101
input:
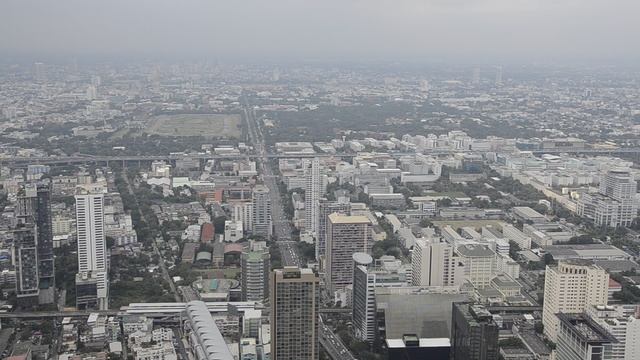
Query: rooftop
x,y
336,218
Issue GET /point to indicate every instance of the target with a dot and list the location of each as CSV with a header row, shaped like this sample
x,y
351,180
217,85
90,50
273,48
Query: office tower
x,y
571,287
475,78
346,235
498,75
255,275
433,264
325,209
580,338
25,255
92,282
363,298
34,206
479,264
262,211
313,191
294,297
474,334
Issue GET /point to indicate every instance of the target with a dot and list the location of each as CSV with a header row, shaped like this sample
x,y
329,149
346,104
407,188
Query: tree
x,y
425,223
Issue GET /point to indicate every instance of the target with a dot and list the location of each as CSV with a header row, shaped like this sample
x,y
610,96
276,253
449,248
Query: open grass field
x,y
207,125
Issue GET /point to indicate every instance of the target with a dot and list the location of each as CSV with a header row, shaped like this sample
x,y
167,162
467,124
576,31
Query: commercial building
x,y
474,333
580,338
92,282
346,235
571,287
255,275
433,263
262,224
294,298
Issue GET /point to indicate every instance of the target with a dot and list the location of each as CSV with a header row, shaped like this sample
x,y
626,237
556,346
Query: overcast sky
x,y
473,30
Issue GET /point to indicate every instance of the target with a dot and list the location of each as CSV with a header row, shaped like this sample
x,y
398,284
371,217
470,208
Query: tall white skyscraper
x,y
312,194
92,281
571,287
615,204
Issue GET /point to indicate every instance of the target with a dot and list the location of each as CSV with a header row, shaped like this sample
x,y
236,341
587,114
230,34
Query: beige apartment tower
x,y
571,287
346,235
295,297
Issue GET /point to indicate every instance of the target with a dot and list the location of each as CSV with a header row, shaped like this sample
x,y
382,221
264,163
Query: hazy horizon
x,y
480,31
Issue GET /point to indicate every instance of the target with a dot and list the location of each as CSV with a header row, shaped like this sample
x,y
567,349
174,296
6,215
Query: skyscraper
x,y
262,224
620,186
312,194
571,287
255,275
326,208
433,264
364,300
34,206
92,282
474,333
294,297
498,75
346,235
25,255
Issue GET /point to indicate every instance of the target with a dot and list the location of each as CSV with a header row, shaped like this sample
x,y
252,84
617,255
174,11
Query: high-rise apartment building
x,y
255,267
571,287
294,298
433,263
25,255
242,211
346,235
262,224
326,208
474,333
34,206
363,298
313,192
580,338
92,281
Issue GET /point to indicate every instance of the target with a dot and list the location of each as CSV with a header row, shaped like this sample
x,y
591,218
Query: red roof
x,y
207,232
614,284
228,248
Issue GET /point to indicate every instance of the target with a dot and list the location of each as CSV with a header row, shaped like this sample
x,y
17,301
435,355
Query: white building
x,y
262,211
92,281
233,231
621,323
479,264
313,192
433,263
571,287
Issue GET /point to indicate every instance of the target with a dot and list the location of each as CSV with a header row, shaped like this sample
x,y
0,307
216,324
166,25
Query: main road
x,y
282,228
